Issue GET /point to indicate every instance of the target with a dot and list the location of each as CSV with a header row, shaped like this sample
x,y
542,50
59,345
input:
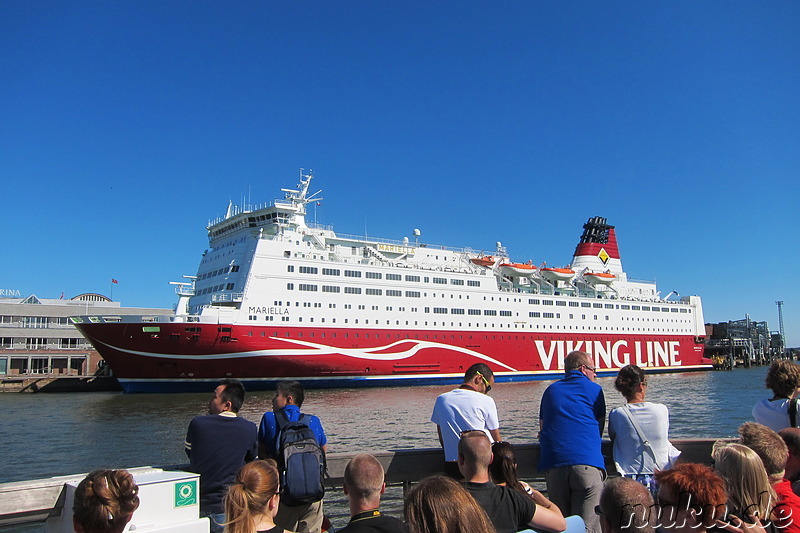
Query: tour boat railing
x,y
31,502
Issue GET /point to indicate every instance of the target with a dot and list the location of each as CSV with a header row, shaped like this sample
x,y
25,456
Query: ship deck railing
x,y
31,502
366,240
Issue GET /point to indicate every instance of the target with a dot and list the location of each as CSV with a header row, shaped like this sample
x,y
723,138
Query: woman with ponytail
x,y
252,500
104,502
503,468
503,471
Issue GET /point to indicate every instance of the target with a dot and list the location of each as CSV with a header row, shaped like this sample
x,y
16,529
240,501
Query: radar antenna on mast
x,y
300,195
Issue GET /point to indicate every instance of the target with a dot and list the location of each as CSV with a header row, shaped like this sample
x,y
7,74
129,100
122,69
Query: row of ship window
x,y
417,336
461,311
596,305
444,311
207,290
379,275
217,272
515,325
252,222
310,287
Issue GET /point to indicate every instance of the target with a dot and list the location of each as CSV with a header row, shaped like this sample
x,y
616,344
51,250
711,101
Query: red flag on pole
x,y
114,281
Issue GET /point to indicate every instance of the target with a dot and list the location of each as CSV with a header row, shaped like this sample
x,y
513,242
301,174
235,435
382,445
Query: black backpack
x,y
301,461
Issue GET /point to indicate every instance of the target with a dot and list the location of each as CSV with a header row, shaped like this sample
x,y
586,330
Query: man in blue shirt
x,y
289,395
571,421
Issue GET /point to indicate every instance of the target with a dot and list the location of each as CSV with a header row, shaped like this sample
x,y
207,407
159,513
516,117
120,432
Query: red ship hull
x,y
177,357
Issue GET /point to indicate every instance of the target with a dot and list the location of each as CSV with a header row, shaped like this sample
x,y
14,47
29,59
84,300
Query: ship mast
x,y
299,197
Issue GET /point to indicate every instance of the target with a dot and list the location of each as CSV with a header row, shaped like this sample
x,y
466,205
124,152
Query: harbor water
x,y
54,434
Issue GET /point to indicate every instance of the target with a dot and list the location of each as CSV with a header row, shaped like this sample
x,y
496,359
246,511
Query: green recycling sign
x,y
186,493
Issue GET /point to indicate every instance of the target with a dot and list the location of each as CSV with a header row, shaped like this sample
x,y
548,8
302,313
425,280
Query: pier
x,y
27,503
743,343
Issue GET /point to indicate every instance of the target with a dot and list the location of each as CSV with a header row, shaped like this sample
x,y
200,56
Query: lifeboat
x,y
557,274
520,270
599,278
484,261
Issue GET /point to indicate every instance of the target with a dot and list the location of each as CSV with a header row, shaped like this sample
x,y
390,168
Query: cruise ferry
x,y
276,297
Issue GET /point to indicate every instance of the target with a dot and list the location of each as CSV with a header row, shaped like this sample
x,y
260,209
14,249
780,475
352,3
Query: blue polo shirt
x,y
570,411
268,429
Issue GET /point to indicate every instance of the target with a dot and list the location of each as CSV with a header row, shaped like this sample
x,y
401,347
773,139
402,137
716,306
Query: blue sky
x,y
126,126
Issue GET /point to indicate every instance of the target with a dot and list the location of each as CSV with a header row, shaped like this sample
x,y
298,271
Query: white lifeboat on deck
x,y
557,274
599,278
520,270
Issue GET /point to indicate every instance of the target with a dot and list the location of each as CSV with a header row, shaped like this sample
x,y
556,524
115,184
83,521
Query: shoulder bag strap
x,y
627,410
281,419
793,412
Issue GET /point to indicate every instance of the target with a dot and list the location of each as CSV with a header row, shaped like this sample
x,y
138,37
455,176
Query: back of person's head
x,y
576,359
768,445
233,392
696,487
294,389
363,478
746,482
626,505
475,449
439,504
104,502
783,377
628,378
250,495
791,436
503,468
478,368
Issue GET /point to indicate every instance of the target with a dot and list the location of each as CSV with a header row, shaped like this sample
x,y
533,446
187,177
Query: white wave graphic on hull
x,y
316,349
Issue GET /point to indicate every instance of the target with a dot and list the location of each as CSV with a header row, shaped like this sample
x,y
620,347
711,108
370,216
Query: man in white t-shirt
x,y
465,408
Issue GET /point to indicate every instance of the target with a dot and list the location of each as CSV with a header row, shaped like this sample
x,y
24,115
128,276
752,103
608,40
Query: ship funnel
x,y
597,250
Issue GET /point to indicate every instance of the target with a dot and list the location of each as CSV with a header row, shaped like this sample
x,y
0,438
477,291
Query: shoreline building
x,y
37,338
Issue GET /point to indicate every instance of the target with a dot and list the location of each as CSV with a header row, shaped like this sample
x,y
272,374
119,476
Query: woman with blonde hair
x,y
104,502
252,500
749,491
438,504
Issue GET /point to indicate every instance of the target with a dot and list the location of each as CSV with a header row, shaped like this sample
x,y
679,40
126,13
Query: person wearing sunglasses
x,y
469,407
572,416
